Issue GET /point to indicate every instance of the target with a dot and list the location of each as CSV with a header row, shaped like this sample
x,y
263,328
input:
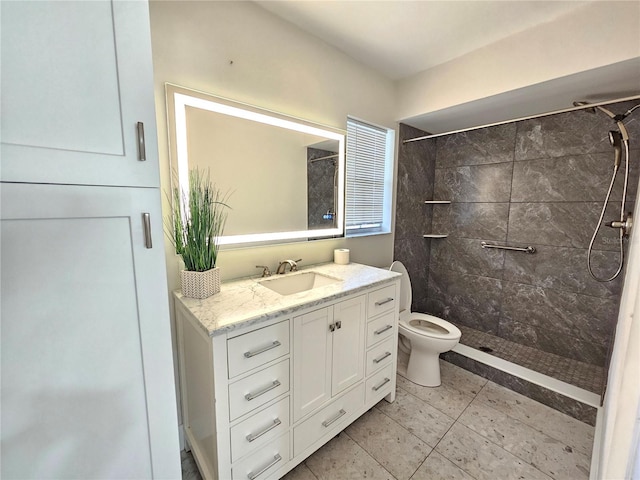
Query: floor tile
x,y
396,449
424,421
555,458
343,459
301,472
481,458
557,425
189,467
448,400
437,467
461,379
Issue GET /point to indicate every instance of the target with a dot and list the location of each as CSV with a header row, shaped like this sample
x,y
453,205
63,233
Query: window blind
x,y
365,188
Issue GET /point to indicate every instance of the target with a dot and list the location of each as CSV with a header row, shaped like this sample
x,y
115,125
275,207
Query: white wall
x,y
240,51
598,34
237,50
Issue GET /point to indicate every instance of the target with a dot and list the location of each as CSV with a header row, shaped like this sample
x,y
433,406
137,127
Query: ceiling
x,y
401,38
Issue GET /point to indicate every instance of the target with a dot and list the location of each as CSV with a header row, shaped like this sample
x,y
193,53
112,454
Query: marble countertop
x,y
245,302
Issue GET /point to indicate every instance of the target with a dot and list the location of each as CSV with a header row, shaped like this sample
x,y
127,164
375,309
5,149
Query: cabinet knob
x,y
332,327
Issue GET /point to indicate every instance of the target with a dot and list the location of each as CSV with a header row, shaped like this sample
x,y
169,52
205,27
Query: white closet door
x,y
77,77
86,362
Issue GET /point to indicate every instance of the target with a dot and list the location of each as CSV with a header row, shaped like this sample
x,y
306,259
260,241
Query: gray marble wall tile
x,y
566,405
562,268
589,318
563,224
470,291
458,315
487,221
476,183
550,340
581,178
414,253
416,164
475,147
562,134
465,255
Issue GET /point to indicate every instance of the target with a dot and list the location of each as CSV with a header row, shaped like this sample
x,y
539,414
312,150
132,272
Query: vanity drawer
x,y
382,300
264,462
331,418
260,429
257,389
256,348
380,356
381,328
379,384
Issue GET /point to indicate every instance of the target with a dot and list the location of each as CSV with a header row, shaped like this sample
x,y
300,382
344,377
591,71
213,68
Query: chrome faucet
x,y
293,266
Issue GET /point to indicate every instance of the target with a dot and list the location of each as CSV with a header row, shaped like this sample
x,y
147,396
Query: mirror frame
x,y
179,98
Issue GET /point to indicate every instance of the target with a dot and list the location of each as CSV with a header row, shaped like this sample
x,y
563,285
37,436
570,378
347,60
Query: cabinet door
x,y
87,373
312,364
77,78
348,344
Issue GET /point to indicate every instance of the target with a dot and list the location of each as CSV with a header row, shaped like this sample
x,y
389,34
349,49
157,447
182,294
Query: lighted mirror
x,y
285,175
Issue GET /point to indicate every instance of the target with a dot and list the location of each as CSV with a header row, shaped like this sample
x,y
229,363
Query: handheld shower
x,y
615,138
618,139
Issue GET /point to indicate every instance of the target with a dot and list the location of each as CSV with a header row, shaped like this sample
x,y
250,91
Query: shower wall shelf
x,y
436,202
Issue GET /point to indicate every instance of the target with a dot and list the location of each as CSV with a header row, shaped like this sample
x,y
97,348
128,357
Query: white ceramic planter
x,y
200,284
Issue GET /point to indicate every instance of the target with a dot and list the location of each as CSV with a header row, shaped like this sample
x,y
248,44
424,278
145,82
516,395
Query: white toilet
x,y
425,335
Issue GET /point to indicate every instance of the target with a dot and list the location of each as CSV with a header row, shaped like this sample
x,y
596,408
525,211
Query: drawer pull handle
x,y
382,302
253,476
340,414
379,359
253,436
250,354
142,153
382,384
251,396
383,329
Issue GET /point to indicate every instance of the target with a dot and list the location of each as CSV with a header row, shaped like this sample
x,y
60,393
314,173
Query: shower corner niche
x,y
436,202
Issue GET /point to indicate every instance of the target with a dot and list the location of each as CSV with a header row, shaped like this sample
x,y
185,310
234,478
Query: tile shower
x,y
538,182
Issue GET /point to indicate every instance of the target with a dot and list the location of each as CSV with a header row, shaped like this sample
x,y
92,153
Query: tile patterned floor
x,y
468,428
580,374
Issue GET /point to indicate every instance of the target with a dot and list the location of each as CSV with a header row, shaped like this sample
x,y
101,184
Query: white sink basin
x,y
298,282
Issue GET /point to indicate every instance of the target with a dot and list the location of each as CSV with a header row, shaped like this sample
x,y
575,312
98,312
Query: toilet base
x,y
424,368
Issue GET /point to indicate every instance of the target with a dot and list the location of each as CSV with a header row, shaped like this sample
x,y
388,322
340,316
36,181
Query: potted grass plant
x,y
197,221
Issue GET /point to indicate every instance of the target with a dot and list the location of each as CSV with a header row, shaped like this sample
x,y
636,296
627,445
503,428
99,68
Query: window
x,y
369,178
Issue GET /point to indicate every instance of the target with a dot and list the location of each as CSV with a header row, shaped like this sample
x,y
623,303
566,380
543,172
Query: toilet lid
x,y
405,285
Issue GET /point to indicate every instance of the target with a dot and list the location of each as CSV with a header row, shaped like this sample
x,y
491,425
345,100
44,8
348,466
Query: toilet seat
x,y
443,329
451,332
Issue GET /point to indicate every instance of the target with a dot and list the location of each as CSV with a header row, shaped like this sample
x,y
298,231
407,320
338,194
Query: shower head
x,y
615,138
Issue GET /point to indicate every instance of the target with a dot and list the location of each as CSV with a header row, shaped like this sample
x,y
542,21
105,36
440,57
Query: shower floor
x,y
580,374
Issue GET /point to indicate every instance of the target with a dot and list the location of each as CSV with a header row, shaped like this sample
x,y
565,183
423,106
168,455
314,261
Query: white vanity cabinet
x,y
329,348
259,396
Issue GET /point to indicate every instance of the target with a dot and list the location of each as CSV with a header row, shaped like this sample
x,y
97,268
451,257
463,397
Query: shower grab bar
x,y
528,249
